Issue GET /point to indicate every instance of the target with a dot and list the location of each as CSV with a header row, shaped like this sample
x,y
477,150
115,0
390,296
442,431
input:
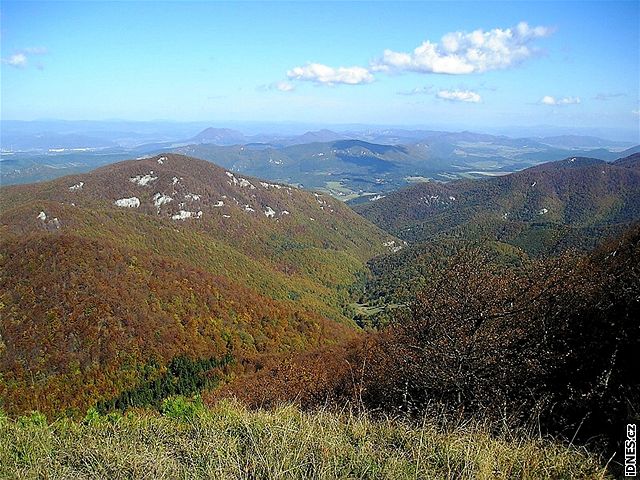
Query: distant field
x,y
479,173
21,167
366,309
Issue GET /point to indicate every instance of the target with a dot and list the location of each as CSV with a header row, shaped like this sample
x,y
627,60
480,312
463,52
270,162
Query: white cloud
x,y
457,53
20,59
281,86
459,96
553,101
461,53
569,101
636,113
325,75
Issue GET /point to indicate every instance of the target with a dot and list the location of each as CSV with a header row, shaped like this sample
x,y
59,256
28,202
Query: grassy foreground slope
x,y
230,442
551,344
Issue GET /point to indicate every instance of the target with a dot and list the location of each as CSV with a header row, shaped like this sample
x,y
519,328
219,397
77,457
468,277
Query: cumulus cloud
x,y
457,53
281,86
20,58
460,53
636,113
459,96
553,101
325,75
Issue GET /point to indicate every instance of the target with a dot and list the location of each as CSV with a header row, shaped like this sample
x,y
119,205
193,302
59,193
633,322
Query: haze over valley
x,y
349,165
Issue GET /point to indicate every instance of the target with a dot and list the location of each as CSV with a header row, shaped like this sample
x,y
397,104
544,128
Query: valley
x,y
254,255
354,165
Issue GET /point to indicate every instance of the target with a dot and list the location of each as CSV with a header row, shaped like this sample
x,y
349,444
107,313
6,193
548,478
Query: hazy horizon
x,y
292,127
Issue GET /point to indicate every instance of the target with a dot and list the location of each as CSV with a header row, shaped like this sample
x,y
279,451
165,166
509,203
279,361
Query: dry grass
x,y
231,442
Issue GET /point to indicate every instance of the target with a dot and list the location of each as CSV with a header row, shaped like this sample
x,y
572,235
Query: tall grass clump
x,y
229,441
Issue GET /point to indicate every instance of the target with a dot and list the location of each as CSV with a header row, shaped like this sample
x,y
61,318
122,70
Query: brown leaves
x,y
556,339
77,312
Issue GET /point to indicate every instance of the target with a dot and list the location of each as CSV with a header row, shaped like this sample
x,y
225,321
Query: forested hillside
x,y
543,209
549,344
107,278
546,210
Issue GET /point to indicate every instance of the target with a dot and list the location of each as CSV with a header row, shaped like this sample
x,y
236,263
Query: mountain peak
x,y
219,136
323,135
186,192
580,193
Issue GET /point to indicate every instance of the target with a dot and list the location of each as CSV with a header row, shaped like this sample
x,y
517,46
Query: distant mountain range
x,y
108,277
219,136
350,164
50,141
226,136
354,168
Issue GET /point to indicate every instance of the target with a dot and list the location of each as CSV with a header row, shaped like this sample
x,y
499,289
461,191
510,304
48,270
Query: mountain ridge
x,y
575,192
170,246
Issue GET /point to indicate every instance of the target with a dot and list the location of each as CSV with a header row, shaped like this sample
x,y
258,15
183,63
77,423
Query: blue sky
x,y
476,64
